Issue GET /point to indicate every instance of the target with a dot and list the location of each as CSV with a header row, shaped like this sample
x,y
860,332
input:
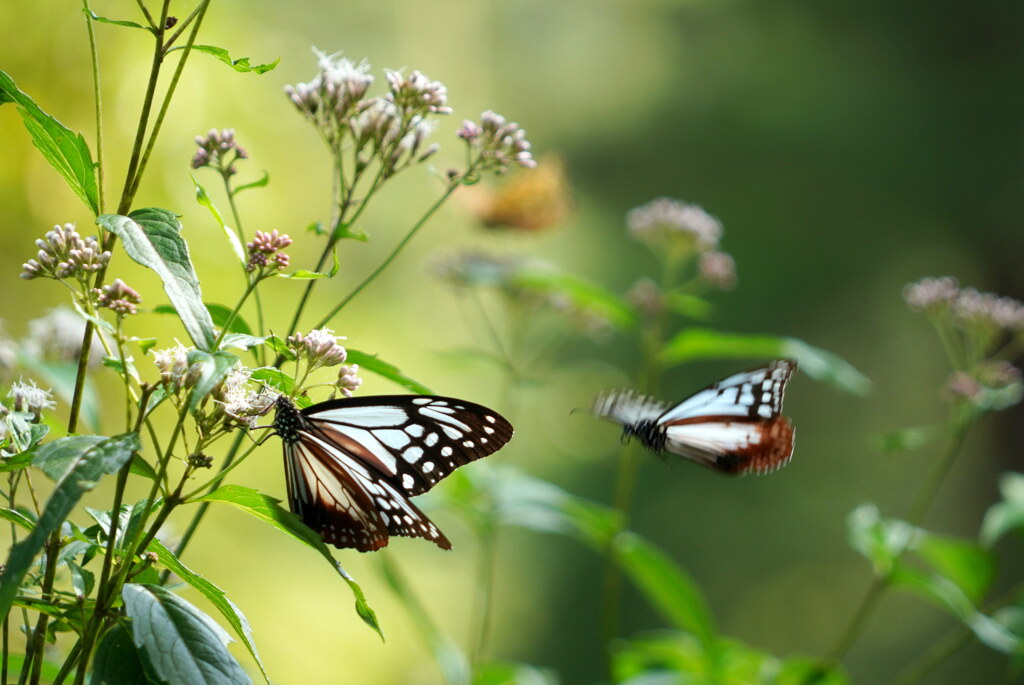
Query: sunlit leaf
x,y
281,381
585,295
511,673
694,344
1008,515
882,541
203,198
255,184
66,151
115,22
178,642
152,237
969,566
270,510
241,64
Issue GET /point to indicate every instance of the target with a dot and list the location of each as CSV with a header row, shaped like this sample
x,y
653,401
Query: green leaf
x,y
1005,516
152,237
240,65
82,580
281,381
583,294
66,152
141,467
120,367
17,518
82,473
17,462
55,458
280,347
24,436
380,367
219,314
695,344
947,595
668,589
242,341
255,184
236,244
910,438
511,673
270,510
882,541
116,661
303,274
690,306
115,22
231,613
179,643
969,566
212,370
344,232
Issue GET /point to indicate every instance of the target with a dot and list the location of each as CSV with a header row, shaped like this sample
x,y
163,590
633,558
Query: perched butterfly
x,y
352,464
734,426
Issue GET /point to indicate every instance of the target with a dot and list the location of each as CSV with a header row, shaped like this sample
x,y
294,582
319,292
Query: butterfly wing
x,y
735,425
628,407
411,441
347,502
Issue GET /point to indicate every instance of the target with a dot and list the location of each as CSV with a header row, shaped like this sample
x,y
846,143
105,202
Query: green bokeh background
x,y
848,148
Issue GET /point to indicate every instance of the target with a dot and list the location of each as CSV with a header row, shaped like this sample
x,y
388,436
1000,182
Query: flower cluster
x,y
265,251
665,222
117,297
986,313
176,373
390,128
237,402
319,347
975,328
717,269
348,379
30,398
218,150
498,143
63,253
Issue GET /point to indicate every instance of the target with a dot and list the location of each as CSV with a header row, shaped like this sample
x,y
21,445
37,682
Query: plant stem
x,y
250,286
485,584
394,253
94,53
918,511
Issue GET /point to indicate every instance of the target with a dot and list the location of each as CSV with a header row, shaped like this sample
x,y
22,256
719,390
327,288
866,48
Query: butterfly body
x,y
733,426
352,464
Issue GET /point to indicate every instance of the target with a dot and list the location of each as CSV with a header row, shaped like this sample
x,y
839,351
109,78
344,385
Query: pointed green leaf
x,y
1008,515
255,184
695,344
179,643
81,474
231,613
236,245
66,151
115,22
270,510
380,367
152,237
241,64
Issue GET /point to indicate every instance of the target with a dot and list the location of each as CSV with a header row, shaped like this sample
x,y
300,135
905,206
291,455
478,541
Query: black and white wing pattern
x,y
352,464
734,426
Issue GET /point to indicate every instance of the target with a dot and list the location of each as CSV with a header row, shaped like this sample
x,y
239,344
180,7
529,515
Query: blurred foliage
x,y
848,147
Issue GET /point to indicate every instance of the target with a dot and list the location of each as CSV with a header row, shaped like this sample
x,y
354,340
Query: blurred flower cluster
x,y
978,331
218,150
389,128
498,143
676,231
64,254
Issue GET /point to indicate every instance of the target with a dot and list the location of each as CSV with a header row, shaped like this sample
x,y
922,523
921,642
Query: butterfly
x,y
352,464
733,426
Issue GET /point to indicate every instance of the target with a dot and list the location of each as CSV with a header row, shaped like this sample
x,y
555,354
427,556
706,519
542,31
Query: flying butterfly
x,y
733,426
352,464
